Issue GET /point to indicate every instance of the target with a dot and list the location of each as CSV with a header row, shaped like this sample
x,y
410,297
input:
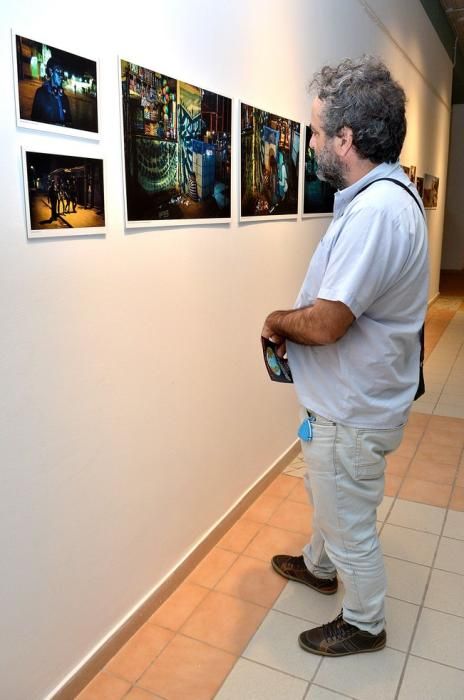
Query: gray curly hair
x,y
362,95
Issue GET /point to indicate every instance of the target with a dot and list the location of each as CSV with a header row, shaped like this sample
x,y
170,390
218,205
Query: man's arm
x,y
321,324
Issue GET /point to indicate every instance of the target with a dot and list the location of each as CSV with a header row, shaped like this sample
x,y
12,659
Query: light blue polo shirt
x,y
374,259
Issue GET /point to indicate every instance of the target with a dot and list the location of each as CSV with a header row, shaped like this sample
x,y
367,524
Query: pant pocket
x,y
371,447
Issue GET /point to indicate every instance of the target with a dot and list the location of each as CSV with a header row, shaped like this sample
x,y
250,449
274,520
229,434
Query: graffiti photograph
x,y
177,150
270,149
56,90
64,195
318,194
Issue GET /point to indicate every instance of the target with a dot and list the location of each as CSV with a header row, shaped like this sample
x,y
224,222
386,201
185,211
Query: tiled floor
x,y
230,630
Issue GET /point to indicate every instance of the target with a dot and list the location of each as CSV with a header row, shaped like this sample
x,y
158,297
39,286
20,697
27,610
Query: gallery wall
x,y
135,407
453,236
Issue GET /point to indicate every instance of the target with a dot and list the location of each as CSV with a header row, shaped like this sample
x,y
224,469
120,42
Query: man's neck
x,y
358,169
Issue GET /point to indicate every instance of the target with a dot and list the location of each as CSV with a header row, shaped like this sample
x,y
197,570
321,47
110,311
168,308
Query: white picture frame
x,y
83,100
78,207
169,221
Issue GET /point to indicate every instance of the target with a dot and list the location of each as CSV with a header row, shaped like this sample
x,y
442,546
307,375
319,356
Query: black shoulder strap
x,y
421,385
397,182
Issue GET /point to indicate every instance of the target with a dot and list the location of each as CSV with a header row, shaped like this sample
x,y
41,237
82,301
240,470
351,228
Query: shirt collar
x,y
345,196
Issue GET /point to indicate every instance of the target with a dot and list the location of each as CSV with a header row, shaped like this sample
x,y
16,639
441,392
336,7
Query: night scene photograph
x,y
64,195
270,150
318,194
55,87
177,149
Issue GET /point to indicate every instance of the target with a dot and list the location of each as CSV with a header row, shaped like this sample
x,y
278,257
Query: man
x,y
353,344
51,105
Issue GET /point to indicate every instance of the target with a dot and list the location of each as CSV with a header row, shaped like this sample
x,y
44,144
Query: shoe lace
x,y
336,629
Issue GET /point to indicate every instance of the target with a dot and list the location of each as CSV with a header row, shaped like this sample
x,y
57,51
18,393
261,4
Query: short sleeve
x,y
366,259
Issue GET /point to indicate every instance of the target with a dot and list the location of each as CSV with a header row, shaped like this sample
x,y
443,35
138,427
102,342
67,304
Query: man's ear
x,y
344,140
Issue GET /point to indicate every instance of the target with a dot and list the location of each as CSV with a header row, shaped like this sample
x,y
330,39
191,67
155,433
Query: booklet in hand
x,y
277,367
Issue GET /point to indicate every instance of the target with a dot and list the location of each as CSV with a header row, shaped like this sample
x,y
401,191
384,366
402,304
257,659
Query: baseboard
x,y
76,681
433,300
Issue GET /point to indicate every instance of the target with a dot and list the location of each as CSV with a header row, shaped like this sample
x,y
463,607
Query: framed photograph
x,y
318,194
430,194
412,173
177,150
64,195
269,168
420,186
55,90
407,170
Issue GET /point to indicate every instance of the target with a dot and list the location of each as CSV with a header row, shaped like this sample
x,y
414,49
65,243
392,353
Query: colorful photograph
x,y
318,194
270,150
56,90
430,194
177,150
420,186
64,195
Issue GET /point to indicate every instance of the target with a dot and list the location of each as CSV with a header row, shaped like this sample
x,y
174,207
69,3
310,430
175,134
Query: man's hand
x,y
321,324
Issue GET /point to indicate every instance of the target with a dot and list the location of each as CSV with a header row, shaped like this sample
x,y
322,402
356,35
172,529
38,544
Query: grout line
x,y
426,588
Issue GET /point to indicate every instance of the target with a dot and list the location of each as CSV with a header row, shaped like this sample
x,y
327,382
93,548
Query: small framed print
x,y
269,165
64,195
55,90
318,197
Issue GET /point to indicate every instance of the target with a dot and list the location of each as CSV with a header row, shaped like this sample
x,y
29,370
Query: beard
x,y
330,168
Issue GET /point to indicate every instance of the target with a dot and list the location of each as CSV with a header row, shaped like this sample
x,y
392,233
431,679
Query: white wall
x,y
135,409
453,236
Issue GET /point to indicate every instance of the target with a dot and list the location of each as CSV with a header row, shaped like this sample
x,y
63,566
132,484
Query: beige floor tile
x,y
428,680
105,687
369,676
384,508
425,492
273,540
212,568
138,653
251,681
318,693
275,644
450,555
457,498
417,516
224,622
301,601
401,618
406,581
294,516
240,535
446,592
454,525
252,580
410,545
188,668
432,471
440,637
263,508
179,606
281,486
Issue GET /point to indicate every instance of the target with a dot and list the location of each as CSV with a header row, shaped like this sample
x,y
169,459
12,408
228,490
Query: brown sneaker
x,y
295,569
339,638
